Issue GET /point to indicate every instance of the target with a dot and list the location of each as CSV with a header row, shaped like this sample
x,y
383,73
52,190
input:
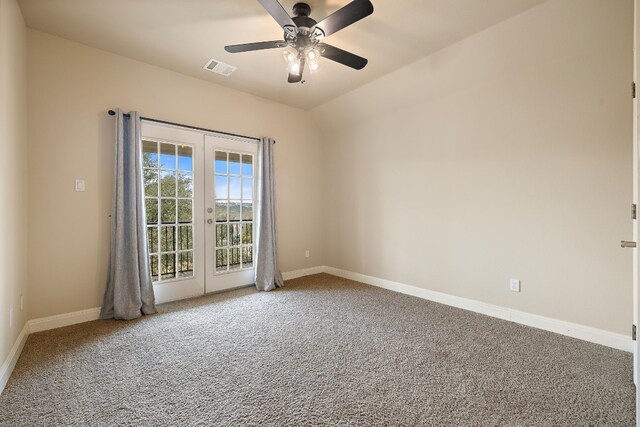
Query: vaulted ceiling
x,y
183,35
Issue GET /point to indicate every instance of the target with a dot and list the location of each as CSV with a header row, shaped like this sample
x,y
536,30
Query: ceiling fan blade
x,y
352,12
296,78
248,47
278,13
342,56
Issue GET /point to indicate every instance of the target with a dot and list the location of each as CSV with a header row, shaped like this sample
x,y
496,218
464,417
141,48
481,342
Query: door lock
x,y
625,244
209,210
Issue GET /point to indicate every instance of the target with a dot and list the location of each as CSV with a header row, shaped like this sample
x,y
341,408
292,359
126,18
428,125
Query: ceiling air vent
x,y
218,67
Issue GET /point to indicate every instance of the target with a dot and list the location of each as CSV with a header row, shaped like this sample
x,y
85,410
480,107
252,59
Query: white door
x,y
174,193
230,203
199,206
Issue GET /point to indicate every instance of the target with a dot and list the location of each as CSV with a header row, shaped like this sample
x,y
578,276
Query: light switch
x,y
79,185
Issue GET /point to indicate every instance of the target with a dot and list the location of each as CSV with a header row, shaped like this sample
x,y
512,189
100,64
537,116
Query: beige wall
x,y
507,155
71,87
13,172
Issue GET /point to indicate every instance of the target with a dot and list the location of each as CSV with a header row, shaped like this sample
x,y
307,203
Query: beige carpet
x,y
321,351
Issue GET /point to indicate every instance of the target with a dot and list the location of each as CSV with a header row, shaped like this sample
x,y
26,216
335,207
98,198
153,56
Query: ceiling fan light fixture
x,y
312,59
295,68
290,56
313,54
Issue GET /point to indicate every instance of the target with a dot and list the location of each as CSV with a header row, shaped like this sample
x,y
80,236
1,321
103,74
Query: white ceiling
x,y
182,35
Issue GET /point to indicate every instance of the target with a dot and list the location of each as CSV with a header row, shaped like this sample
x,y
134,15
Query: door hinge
x,y
634,211
633,332
633,89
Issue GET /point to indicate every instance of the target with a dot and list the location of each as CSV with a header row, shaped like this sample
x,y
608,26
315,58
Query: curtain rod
x,y
113,113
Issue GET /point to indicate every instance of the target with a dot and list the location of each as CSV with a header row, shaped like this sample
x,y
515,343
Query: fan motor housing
x,y
301,9
301,12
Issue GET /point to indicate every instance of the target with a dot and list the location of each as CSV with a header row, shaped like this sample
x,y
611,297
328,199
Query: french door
x,y
230,205
199,206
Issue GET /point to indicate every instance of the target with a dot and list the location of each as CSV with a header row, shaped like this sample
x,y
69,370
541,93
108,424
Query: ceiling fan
x,y
303,36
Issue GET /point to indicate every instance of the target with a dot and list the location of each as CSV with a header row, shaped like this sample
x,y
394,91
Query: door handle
x,y
210,221
625,244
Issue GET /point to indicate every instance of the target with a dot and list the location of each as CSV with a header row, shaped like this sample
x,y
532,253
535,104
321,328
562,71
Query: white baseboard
x,y
7,367
585,333
38,325
60,320
303,272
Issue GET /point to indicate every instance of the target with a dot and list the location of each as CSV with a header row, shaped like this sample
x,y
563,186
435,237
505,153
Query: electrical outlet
x,y
21,302
514,285
307,253
10,317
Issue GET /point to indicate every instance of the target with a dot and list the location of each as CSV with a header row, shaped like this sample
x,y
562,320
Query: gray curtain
x,y
268,275
129,292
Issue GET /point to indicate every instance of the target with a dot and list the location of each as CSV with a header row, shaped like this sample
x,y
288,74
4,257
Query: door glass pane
x,y
221,162
185,211
185,158
221,210
222,233
247,233
168,184
168,156
247,256
247,211
221,260
234,164
185,237
185,184
234,210
234,259
150,182
151,206
154,265
234,236
185,264
152,238
221,187
247,189
168,238
168,266
247,165
234,188
168,211
150,154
